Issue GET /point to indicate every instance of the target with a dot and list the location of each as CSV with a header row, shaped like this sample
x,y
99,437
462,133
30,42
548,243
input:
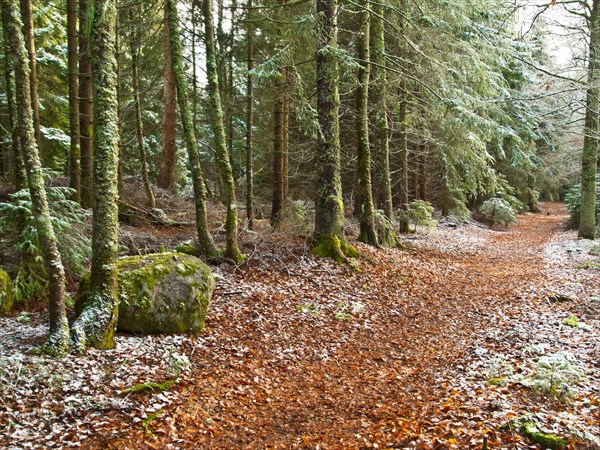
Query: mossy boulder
x,y
160,293
6,292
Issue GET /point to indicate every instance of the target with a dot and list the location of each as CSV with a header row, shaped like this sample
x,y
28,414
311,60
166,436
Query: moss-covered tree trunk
x,y
589,164
363,165
85,108
72,71
58,341
277,198
96,324
121,169
249,118
27,17
20,175
134,40
207,246
403,224
167,156
215,109
378,93
329,236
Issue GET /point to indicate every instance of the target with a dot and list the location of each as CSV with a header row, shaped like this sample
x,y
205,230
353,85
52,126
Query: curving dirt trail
x,y
301,353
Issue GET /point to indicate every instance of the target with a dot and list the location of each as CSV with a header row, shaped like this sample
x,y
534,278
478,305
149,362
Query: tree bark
x,y
378,88
232,251
363,165
27,17
139,126
96,324
285,138
58,341
329,208
249,119
72,69
85,108
167,157
20,175
423,172
207,246
277,200
589,164
404,223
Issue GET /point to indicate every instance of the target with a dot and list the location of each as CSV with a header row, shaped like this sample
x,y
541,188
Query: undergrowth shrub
x,y
556,375
420,213
293,220
497,211
19,236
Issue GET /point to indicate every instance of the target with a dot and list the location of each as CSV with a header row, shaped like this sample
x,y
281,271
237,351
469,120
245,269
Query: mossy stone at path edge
x,y
160,293
6,292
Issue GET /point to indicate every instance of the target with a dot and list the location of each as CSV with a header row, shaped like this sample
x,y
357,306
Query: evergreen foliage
x,y
69,225
498,211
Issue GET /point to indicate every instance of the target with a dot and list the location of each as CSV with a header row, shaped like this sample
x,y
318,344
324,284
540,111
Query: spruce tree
x,y
329,235
96,324
207,246
58,341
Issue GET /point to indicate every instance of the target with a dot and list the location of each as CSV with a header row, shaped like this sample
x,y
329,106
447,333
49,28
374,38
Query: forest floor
x,y
436,346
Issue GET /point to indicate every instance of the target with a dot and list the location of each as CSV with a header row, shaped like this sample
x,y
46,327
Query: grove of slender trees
x,y
265,112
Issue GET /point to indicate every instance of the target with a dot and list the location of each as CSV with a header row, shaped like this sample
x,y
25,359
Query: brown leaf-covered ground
x,y
429,347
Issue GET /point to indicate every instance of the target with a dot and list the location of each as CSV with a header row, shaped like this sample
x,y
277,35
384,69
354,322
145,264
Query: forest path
x,y
302,353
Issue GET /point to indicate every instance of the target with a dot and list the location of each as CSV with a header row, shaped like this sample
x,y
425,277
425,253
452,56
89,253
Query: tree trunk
x,y
72,69
363,166
207,246
58,341
329,208
423,172
285,138
120,176
19,166
97,322
27,18
403,223
167,157
277,201
232,251
249,120
378,88
139,126
587,219
85,107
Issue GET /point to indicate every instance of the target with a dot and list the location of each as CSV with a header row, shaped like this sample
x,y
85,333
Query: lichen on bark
x,y
363,166
58,341
328,237
205,241
96,325
215,111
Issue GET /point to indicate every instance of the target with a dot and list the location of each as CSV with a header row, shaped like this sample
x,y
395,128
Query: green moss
x,y
571,321
546,440
148,421
150,386
185,247
160,293
6,292
498,381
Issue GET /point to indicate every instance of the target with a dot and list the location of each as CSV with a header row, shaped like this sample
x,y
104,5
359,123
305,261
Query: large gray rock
x,y
160,293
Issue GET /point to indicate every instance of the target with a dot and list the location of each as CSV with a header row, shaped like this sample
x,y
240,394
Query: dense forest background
x,y
476,103
284,112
